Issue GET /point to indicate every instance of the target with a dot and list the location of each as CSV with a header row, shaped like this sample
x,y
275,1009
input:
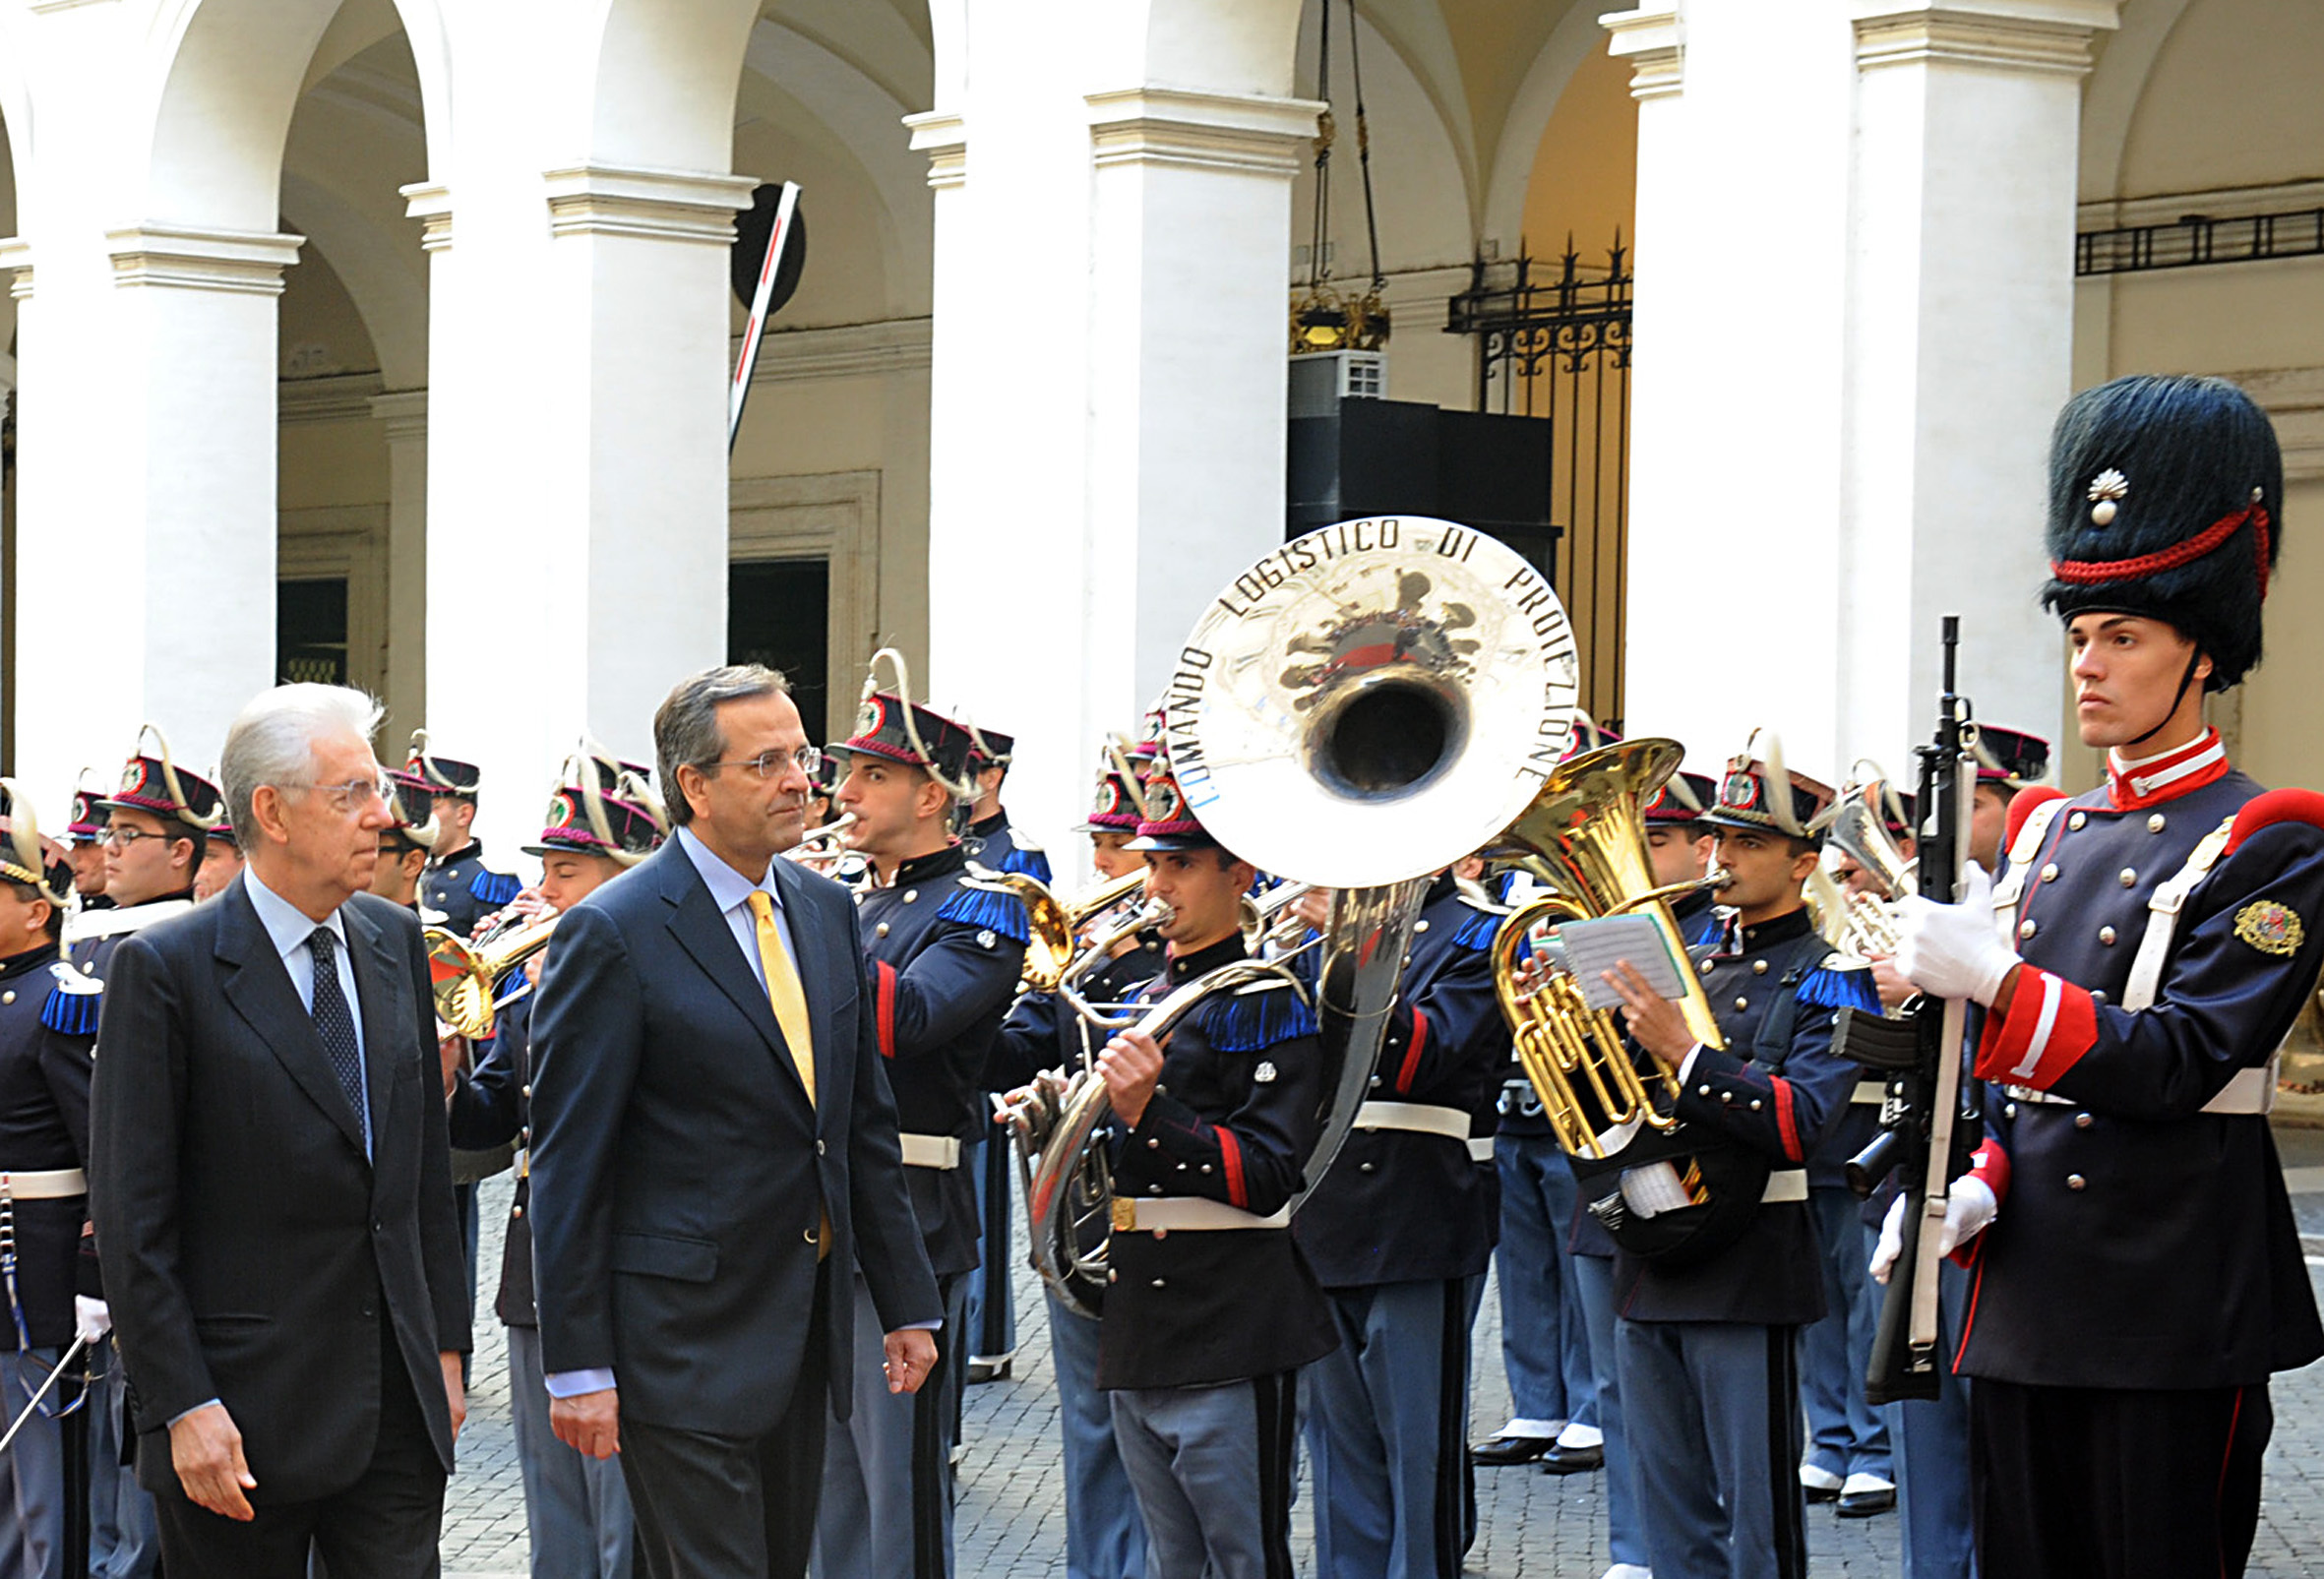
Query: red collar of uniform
x,y
2135,785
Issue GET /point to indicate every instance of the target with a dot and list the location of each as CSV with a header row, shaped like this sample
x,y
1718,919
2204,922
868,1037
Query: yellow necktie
x,y
789,1003
783,992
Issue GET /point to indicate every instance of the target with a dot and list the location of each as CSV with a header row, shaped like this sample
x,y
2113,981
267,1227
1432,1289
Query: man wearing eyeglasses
x,y
153,839
714,1155
945,958
271,1186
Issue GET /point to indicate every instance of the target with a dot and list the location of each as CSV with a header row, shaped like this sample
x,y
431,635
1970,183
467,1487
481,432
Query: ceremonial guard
x,y
404,845
157,837
458,885
994,843
48,1014
84,843
576,1509
942,965
2145,951
1711,1304
1679,845
1396,1232
1210,1309
1545,1347
1105,1539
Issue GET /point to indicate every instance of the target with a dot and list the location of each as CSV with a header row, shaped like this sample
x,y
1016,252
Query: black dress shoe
x,y
1866,1504
1499,1450
1564,1460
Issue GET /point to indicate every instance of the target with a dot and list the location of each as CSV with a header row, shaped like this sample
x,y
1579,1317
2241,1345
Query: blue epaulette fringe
x,y
1252,1022
71,1013
1002,914
1840,986
494,888
1030,861
1478,932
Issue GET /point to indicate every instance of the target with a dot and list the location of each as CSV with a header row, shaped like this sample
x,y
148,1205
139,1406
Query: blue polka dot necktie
x,y
335,1024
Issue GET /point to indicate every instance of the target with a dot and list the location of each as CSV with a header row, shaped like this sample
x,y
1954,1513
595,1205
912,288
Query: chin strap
x,y
2180,695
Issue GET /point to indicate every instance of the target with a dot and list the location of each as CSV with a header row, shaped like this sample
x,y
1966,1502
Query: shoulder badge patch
x,y
2270,928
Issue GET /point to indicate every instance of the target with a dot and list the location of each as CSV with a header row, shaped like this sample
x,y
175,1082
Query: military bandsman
x,y
1211,1308
48,1014
1716,1267
1398,1231
458,885
942,965
576,1509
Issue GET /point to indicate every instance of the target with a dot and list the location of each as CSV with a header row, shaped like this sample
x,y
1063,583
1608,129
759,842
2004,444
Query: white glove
x,y
92,1319
1970,1210
1953,950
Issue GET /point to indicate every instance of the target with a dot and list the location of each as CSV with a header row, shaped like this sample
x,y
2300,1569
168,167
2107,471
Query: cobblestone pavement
x,y
1012,1513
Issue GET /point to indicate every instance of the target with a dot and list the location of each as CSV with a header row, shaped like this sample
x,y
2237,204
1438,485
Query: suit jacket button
x,y
2075,1181
818,1148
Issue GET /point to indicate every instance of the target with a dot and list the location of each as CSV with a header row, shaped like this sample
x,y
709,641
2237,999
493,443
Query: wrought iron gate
x,y
1554,343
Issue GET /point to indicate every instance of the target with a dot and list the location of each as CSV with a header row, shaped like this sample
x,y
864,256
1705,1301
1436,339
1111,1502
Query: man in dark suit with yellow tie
x,y
714,1148
271,1186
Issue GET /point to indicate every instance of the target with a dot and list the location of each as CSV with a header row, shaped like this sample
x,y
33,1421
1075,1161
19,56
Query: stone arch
x,y
225,76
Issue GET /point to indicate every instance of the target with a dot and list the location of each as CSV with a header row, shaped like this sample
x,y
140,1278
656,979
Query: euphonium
x,y
1584,836
1357,710
464,973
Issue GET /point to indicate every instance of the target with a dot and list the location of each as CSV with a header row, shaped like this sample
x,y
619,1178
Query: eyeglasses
x,y
809,759
117,837
357,793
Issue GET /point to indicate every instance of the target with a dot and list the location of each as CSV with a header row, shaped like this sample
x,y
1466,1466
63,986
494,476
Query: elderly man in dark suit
x,y
272,1188
713,1150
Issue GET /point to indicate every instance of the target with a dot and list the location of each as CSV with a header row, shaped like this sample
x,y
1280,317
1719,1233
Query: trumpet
x,y
464,973
822,843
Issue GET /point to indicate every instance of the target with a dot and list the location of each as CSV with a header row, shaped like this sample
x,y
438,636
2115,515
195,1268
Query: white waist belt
x,y
931,1151
1190,1212
1417,1116
53,1184
1480,1148
1787,1184
1871,1092
2251,1092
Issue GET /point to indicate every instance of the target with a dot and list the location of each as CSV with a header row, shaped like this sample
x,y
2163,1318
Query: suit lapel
x,y
260,989
384,1009
703,932
811,954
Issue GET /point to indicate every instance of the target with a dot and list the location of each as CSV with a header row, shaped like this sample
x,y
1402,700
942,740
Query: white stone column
x,y
1960,353
403,417
1854,323
1108,432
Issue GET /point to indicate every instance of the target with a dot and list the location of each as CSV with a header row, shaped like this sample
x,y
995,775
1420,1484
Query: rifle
x,y
1930,1117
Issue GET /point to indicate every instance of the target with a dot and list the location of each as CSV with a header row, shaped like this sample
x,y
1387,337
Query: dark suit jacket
x,y
247,1245
678,1168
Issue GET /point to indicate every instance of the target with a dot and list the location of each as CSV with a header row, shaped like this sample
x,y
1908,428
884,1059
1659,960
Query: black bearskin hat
x,y
2165,501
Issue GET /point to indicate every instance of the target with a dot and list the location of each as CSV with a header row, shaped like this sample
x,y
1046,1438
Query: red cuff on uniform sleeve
x,y
2049,1025
1420,1039
1991,1164
1230,1158
883,995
